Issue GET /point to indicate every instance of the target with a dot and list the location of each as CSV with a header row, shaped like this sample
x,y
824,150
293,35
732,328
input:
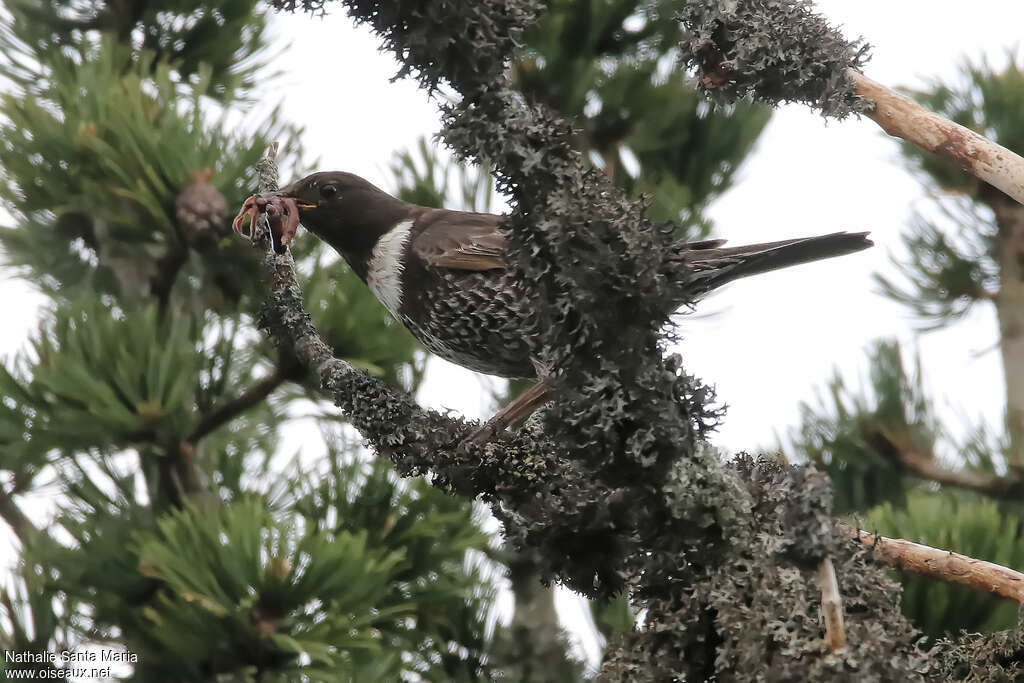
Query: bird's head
x,y
346,211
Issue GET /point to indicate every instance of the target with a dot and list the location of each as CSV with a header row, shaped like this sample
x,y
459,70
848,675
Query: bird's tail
x,y
713,265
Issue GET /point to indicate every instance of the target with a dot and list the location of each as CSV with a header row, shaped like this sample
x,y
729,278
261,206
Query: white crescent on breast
x,y
387,261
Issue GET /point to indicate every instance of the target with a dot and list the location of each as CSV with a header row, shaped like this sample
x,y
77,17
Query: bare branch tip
x,y
831,606
902,117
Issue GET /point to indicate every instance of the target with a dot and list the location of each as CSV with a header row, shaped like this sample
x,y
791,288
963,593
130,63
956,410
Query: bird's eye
x,y
329,191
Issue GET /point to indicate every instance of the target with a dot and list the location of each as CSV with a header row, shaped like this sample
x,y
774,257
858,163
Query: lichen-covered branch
x,y
589,534
943,565
774,51
533,488
780,51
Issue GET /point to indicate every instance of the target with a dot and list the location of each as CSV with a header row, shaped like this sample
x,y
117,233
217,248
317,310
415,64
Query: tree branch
x,y
943,565
780,52
925,466
167,269
231,409
904,118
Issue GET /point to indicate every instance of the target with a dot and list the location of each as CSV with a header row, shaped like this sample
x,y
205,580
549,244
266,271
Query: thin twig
x,y
226,412
943,565
831,606
925,466
902,117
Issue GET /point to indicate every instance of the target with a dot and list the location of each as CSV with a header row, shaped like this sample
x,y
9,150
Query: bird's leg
x,y
520,408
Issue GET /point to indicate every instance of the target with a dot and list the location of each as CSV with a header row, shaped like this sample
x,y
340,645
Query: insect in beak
x,y
282,212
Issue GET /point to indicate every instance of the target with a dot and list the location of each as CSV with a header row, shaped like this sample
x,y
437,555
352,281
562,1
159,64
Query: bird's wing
x,y
462,241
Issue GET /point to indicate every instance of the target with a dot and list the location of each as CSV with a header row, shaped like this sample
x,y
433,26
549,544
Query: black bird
x,y
445,276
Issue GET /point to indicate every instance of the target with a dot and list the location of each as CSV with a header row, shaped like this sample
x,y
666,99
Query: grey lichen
x,y
980,658
772,51
752,612
465,44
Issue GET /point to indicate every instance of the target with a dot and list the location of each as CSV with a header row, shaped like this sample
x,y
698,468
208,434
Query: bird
x,y
446,275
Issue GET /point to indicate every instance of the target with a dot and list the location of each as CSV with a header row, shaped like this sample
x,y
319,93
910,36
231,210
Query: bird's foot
x,y
520,408
485,432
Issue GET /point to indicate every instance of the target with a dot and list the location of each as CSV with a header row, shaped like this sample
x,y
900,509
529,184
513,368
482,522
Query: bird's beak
x,y
288,193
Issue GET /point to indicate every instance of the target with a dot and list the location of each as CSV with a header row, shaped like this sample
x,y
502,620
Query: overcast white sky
x,y
773,338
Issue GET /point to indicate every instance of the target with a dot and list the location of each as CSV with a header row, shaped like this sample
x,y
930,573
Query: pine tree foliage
x,y
230,579
31,610
839,432
340,563
148,408
97,378
422,176
92,152
108,111
224,38
949,265
861,435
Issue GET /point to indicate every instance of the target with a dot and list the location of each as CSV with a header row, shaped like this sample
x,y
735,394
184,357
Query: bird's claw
x,y
484,433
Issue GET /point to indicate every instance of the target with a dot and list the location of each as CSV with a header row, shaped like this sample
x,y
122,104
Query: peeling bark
x,y
902,117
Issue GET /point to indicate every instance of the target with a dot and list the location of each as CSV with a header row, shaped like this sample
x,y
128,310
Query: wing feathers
x,y
462,241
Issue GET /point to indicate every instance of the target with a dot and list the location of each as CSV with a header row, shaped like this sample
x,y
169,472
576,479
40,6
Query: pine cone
x,y
201,210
